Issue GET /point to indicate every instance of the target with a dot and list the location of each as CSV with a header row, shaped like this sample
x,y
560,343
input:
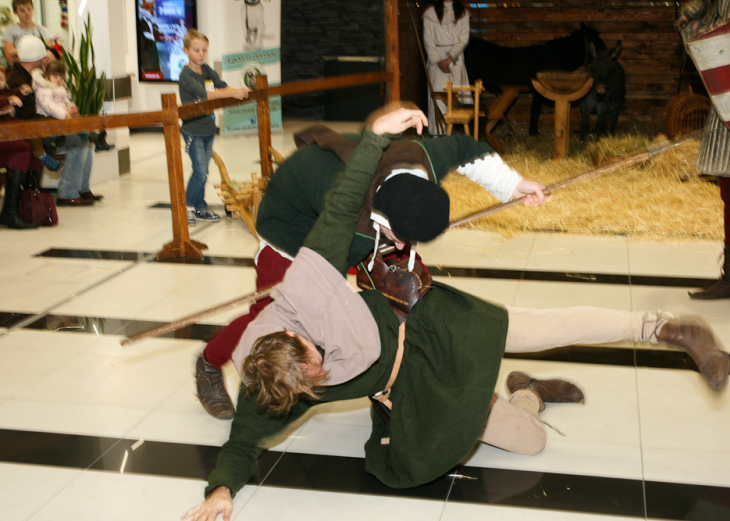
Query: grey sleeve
x,y
218,83
191,90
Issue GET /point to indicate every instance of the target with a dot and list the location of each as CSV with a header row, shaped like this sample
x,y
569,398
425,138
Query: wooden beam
x,y
181,245
44,127
392,52
264,126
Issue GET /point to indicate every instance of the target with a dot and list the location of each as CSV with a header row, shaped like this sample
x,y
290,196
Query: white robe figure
x,y
442,40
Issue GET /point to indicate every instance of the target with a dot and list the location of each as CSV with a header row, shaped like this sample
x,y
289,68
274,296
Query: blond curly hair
x,y
276,370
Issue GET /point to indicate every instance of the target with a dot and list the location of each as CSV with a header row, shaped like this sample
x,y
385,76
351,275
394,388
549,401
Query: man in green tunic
x,y
320,341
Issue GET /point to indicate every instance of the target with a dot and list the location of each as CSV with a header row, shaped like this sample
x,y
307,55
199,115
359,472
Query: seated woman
x,y
16,157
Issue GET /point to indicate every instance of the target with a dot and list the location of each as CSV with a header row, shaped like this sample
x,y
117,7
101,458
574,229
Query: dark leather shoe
x,y
549,391
717,290
694,336
212,391
89,195
78,201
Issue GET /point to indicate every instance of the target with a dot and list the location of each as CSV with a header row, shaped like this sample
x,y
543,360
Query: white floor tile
x,y
120,497
578,253
25,489
275,504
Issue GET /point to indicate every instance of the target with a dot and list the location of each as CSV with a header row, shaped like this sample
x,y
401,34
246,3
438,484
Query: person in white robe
x,y
444,40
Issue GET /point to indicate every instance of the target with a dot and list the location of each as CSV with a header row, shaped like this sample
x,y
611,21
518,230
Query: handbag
x,y
38,207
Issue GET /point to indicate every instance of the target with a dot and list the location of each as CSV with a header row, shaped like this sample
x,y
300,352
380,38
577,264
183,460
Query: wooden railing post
x,y
392,60
263,110
181,245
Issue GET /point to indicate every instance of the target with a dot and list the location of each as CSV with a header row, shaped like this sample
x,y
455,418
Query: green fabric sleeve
x,y
449,152
237,459
334,231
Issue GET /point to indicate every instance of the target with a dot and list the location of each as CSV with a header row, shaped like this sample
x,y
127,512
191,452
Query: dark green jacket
x,y
295,195
453,348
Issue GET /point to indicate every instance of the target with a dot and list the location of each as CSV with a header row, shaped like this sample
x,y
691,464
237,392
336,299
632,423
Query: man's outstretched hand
x,y
399,120
218,502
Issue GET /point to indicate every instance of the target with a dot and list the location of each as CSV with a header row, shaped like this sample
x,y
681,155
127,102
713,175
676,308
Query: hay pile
x,y
664,198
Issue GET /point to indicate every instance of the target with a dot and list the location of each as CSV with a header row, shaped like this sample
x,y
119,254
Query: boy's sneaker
x,y
207,215
192,221
49,162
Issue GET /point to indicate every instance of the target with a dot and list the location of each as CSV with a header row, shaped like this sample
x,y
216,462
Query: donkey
x,y
496,65
607,94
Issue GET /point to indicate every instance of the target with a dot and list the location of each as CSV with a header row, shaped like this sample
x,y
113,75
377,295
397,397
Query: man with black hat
x,y
405,184
431,376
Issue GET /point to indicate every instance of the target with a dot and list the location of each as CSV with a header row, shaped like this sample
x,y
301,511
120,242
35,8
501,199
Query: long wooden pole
x,y
194,319
631,160
613,167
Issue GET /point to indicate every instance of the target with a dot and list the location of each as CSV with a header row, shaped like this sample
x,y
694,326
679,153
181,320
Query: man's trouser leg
x,y
540,329
515,426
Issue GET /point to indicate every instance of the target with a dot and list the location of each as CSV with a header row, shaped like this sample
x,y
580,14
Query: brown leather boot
x,y
720,288
548,391
694,336
211,390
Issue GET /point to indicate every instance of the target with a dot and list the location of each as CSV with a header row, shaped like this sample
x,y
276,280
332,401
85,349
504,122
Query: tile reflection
x,y
119,326
692,502
52,449
566,492
134,256
343,474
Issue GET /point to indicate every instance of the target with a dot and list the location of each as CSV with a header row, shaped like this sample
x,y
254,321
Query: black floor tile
x,y
547,491
683,501
342,474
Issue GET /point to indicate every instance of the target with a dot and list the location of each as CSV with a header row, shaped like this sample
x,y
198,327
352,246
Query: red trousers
x,y
270,269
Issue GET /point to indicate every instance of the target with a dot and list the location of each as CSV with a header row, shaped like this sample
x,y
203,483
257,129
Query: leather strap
x,y
383,396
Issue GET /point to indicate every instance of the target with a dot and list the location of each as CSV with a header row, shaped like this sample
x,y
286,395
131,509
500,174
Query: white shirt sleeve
x,y
493,174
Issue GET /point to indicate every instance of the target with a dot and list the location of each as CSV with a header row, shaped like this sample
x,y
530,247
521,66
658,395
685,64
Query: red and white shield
x,y
709,48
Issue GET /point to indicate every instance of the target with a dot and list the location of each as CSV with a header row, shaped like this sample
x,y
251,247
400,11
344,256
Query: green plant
x,y
86,89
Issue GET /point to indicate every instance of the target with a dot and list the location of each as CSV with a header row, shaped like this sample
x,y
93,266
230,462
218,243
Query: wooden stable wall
x,y
652,49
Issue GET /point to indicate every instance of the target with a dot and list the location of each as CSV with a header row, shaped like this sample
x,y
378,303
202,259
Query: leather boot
x,y
212,391
718,289
548,391
694,336
10,215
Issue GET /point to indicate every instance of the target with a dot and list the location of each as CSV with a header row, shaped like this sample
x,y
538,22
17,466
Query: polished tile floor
x,y
93,431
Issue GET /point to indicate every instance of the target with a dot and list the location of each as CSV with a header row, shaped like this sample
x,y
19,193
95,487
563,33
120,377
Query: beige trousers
x,y
515,425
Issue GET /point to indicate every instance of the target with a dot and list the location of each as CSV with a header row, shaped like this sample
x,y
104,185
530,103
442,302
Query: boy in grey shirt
x,y
199,82
24,10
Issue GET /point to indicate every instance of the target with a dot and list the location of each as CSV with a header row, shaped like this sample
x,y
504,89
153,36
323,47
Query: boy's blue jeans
x,y
77,170
200,149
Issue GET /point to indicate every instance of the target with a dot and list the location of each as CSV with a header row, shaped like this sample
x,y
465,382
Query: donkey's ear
x,y
583,26
616,51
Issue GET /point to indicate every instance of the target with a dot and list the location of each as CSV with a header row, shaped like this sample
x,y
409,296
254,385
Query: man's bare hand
x,y
400,120
15,100
532,191
25,90
218,502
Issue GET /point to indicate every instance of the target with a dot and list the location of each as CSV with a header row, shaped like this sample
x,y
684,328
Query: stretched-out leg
x,y
533,330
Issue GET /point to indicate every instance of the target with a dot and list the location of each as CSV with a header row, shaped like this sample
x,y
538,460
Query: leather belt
x,y
384,395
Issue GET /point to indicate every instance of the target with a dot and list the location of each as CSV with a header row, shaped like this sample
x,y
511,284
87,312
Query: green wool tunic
x,y
295,195
454,344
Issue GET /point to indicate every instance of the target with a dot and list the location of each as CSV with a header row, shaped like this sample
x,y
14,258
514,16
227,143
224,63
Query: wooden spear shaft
x,y
194,319
629,161
618,165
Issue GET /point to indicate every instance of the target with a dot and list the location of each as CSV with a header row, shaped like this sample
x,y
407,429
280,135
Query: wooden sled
x,y
243,199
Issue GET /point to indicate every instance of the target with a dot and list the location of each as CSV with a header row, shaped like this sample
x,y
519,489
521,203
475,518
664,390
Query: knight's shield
x,y
709,47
